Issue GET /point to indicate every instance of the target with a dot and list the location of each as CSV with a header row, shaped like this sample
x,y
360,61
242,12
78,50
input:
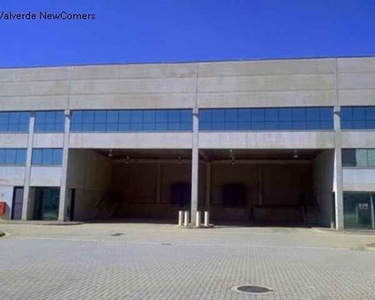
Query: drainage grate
x,y
252,289
117,234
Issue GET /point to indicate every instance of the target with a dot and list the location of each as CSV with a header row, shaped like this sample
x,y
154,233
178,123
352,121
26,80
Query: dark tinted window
x,y
14,121
132,120
13,157
298,118
47,157
358,157
49,121
358,117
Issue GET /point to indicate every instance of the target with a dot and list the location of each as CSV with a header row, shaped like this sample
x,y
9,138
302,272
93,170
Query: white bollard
x,y
180,218
206,218
198,219
186,218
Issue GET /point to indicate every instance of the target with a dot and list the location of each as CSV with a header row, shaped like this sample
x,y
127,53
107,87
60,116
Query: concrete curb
x,y
370,247
194,227
344,231
45,223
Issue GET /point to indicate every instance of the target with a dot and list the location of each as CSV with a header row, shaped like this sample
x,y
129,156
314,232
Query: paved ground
x,y
162,262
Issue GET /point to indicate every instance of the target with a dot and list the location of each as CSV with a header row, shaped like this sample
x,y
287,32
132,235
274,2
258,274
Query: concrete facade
x,y
327,82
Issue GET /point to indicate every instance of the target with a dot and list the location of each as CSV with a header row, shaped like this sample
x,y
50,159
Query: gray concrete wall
x,y
359,179
323,167
289,82
90,174
6,195
48,140
13,140
182,140
45,176
356,81
267,83
12,175
358,139
266,140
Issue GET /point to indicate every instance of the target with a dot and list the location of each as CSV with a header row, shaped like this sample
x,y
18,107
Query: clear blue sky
x,y
186,30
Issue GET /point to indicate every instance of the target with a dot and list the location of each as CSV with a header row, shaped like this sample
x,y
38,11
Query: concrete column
x,y
64,195
338,177
208,185
372,212
26,214
195,166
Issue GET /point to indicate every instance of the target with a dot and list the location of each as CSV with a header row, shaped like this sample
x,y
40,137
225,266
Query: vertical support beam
x,y
26,214
195,166
338,177
372,212
158,183
208,185
64,201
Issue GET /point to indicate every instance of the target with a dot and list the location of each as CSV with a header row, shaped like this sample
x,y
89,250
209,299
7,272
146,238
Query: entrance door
x,y
357,210
17,203
46,203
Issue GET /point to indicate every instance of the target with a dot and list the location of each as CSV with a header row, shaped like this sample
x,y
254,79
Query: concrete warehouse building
x,y
289,140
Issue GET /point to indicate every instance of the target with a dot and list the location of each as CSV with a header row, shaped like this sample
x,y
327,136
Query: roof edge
x,y
187,62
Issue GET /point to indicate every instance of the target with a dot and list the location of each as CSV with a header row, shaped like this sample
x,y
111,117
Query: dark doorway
x,y
17,203
46,203
72,198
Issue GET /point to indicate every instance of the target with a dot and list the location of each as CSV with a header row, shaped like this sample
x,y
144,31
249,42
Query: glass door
x,y
46,203
357,211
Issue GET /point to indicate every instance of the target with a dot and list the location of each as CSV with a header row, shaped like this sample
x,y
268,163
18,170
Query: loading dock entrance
x,y
128,184
252,186
269,186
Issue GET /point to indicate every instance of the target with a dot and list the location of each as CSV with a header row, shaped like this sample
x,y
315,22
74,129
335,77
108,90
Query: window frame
x,y
134,120
17,152
356,166
298,118
43,152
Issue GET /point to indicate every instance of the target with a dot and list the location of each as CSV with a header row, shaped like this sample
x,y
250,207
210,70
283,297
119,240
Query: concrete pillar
x,y
195,165
26,214
372,212
338,177
208,185
64,195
